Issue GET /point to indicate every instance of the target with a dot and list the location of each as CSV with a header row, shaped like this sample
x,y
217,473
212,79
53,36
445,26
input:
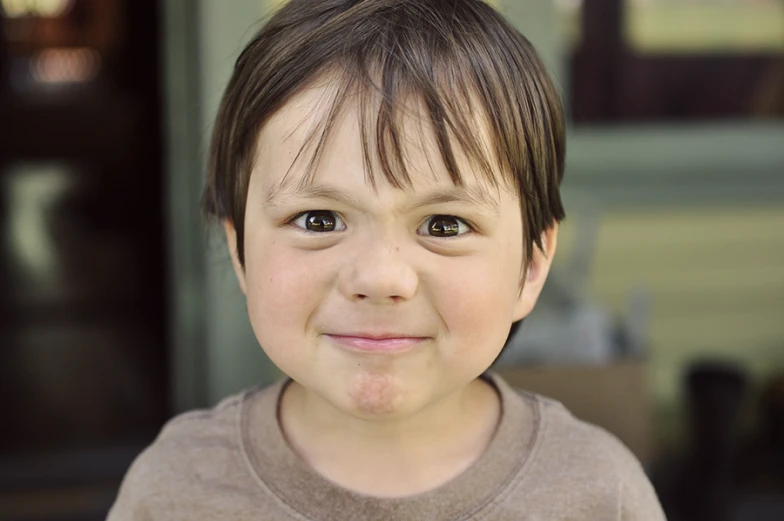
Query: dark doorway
x,y
83,354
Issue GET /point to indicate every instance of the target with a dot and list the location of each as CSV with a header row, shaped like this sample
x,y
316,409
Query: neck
x,y
391,458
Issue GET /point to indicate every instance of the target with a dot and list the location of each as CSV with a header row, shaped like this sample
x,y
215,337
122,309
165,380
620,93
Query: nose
x,y
379,272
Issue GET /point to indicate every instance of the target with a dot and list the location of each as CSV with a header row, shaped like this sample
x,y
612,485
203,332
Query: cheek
x,y
486,285
281,294
479,308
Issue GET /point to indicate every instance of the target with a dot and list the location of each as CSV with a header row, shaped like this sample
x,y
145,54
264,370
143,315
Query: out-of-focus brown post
x,y
4,124
598,61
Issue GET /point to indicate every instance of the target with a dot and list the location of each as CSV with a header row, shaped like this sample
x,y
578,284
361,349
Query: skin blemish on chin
x,y
375,394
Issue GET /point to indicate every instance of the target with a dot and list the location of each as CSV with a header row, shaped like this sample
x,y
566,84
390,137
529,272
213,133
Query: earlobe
x,y
231,242
536,274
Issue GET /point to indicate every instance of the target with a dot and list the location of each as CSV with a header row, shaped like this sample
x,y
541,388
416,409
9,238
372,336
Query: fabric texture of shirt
x,y
233,463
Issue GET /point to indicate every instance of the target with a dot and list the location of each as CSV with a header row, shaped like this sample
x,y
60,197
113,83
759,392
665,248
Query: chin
x,y
375,395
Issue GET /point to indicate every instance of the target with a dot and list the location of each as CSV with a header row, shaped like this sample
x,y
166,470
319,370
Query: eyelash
x,y
470,228
293,220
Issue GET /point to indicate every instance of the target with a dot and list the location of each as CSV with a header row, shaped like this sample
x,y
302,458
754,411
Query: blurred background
x,y
663,320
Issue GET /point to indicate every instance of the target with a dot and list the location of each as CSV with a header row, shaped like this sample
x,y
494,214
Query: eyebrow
x,y
311,191
468,196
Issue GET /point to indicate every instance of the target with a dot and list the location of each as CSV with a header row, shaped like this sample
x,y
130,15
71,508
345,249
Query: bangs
x,y
397,111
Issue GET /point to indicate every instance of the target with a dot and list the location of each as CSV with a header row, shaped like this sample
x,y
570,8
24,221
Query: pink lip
x,y
377,344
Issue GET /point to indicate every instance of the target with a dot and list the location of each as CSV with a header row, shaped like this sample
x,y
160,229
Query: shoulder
x,y
193,451
582,442
590,465
192,437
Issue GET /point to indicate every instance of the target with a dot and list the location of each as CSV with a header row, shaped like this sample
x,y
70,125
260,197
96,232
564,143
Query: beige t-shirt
x,y
233,463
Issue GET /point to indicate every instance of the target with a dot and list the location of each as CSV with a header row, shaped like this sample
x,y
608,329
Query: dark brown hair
x,y
460,59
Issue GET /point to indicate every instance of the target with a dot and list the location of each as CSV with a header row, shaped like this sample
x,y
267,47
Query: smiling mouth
x,y
377,344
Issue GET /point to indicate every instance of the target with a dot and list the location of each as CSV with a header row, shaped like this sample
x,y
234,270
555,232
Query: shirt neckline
x,y
300,488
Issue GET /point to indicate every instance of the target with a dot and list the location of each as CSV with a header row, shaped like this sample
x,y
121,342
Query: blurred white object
x,y
568,326
582,335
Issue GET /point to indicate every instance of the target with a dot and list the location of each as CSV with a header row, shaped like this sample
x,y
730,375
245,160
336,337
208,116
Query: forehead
x,y
297,146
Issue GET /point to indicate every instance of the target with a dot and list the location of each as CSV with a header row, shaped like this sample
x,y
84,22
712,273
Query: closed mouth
x,y
377,343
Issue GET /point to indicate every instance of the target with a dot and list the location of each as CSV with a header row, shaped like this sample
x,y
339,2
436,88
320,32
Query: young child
x,y
387,173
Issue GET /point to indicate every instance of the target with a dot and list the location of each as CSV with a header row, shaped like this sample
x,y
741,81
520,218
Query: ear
x,y
231,242
537,272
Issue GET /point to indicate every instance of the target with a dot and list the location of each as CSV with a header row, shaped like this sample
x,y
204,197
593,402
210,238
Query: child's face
x,y
379,302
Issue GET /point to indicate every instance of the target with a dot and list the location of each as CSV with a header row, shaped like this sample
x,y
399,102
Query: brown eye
x,y
445,226
319,221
